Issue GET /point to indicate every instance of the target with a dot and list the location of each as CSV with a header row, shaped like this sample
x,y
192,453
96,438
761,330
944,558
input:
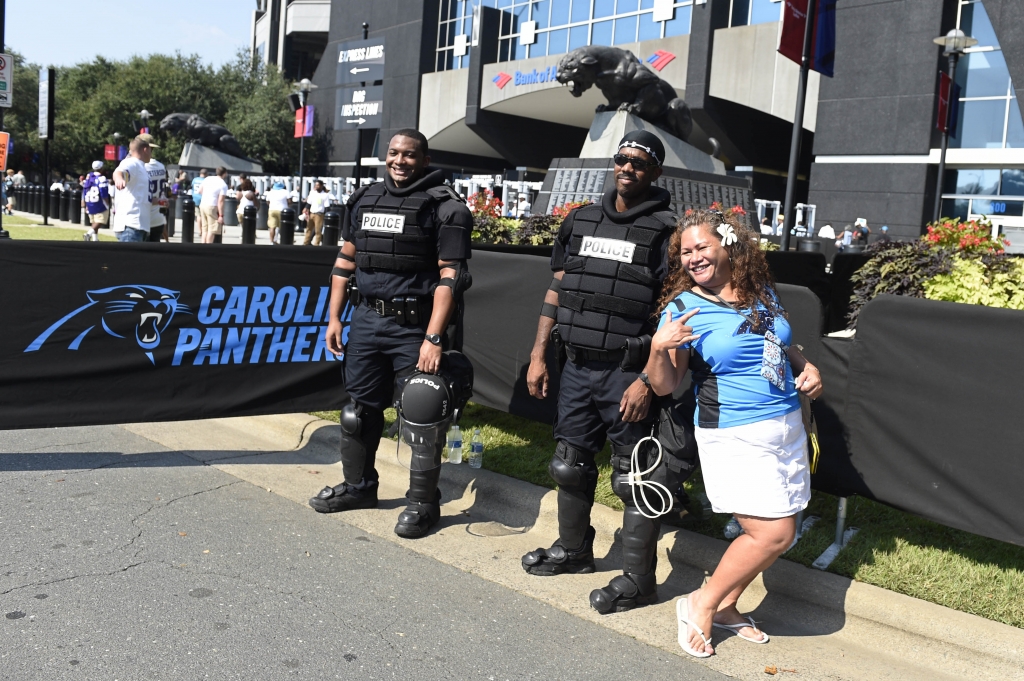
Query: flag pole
x,y
798,126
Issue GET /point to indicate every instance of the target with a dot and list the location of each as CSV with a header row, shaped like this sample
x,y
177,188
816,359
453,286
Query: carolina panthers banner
x,y
117,333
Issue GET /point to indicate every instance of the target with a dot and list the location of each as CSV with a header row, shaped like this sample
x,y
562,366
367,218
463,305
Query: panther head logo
x,y
138,312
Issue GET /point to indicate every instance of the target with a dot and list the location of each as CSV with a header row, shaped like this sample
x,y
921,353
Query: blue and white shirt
x,y
727,363
96,193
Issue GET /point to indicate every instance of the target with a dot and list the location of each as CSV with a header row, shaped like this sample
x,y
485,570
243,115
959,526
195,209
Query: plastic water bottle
x,y
454,444
476,450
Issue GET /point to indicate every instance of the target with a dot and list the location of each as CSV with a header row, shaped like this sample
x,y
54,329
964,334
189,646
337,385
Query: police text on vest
x,y
383,222
609,249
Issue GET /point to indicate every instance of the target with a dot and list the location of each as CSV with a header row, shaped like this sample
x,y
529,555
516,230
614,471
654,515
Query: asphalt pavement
x,y
123,559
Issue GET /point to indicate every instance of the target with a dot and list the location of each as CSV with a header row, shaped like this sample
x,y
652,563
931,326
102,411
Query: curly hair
x,y
751,278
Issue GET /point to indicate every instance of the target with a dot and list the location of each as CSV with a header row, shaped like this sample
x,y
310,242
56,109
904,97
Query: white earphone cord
x,y
636,480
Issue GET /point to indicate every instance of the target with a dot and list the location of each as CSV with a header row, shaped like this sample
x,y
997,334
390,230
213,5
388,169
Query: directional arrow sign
x,y
360,61
359,107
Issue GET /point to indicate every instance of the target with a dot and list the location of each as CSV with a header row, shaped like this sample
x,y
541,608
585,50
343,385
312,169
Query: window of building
x,y
564,25
992,192
988,116
748,12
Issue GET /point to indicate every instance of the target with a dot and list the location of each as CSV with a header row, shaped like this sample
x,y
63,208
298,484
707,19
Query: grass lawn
x,y
24,228
893,550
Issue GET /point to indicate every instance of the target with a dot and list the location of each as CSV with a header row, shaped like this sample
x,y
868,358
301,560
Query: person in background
x,y
316,203
722,317
522,207
861,231
827,232
96,201
766,227
197,181
9,190
157,194
131,202
846,238
213,191
780,221
277,200
246,194
884,234
180,182
799,229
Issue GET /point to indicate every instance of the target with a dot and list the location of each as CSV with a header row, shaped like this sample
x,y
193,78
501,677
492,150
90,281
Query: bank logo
x,y
501,80
136,313
660,59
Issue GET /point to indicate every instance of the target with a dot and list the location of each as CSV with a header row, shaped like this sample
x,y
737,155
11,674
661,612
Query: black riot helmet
x,y
428,399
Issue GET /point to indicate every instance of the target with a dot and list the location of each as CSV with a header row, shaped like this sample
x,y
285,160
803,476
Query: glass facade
x,y
988,114
993,192
563,25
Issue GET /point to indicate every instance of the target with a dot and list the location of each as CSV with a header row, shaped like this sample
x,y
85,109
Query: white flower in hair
x,y
728,235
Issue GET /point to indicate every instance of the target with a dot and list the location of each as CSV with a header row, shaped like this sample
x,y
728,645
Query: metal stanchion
x,y
172,215
287,227
75,207
188,218
332,228
249,214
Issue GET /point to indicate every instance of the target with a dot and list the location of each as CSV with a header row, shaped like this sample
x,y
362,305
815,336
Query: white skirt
x,y
758,469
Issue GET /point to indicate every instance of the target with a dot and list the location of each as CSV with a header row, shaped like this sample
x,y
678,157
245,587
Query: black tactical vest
x,y
398,233
608,287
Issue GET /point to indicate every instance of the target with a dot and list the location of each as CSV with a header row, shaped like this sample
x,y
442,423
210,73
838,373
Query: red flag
x,y
300,122
942,120
110,152
823,38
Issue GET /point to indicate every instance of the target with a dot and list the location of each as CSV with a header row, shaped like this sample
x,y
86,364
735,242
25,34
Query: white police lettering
x,y
608,249
383,222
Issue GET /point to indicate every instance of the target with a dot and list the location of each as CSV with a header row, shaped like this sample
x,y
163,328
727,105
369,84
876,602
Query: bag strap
x,y
753,324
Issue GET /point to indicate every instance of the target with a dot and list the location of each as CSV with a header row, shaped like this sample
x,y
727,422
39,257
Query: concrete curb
x,y
515,501
823,625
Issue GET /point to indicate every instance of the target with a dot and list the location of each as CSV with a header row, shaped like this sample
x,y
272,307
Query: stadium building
x,y
477,78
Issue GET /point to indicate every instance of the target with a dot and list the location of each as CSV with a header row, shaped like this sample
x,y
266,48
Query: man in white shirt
x,y
317,201
827,232
157,193
277,200
131,202
213,190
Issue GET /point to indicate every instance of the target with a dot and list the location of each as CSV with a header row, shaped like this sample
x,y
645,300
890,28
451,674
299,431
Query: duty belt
x,y
411,310
579,355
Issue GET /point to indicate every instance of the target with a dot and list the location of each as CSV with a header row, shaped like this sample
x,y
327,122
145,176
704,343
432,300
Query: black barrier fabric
x,y
934,412
120,333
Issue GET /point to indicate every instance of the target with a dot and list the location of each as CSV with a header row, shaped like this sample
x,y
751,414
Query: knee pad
x,y
351,417
572,468
621,455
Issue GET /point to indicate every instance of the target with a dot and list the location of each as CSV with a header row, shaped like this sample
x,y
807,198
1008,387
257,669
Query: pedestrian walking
x,y
277,201
157,193
96,201
9,189
213,191
131,201
406,242
317,202
608,260
246,195
723,319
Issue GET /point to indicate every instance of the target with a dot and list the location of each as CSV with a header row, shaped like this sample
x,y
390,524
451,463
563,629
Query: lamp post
x,y
305,87
144,115
954,42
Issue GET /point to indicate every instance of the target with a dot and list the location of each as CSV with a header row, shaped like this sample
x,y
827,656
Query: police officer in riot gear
x,y
609,260
406,242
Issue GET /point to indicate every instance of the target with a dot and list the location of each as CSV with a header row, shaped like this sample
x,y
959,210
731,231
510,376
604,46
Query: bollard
x,y
249,214
54,213
37,206
230,212
75,207
188,218
332,227
65,205
287,227
40,198
261,218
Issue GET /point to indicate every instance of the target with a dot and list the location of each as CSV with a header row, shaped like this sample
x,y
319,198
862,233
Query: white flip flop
x,y
735,628
683,615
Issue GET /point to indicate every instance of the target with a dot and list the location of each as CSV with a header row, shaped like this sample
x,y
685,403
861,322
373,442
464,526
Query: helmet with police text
x,y
428,399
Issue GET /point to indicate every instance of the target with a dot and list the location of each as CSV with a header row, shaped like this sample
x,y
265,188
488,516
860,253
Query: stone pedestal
x,y
610,126
195,156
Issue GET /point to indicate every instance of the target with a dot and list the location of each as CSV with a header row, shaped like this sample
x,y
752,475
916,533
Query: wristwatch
x,y
644,379
433,339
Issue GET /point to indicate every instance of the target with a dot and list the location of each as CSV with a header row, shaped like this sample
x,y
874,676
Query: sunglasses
x,y
637,163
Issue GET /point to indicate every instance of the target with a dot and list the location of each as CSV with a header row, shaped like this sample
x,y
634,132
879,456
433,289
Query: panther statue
x,y
195,128
627,84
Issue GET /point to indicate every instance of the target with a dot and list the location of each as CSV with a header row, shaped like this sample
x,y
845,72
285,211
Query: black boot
x,y
559,560
346,497
417,518
627,591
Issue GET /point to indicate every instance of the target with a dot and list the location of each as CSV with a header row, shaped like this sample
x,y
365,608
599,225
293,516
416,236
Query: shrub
x,y
998,283
490,229
973,236
538,230
485,204
897,267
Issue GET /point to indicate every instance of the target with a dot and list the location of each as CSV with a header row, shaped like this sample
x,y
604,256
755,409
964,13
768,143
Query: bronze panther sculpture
x,y
195,128
627,84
